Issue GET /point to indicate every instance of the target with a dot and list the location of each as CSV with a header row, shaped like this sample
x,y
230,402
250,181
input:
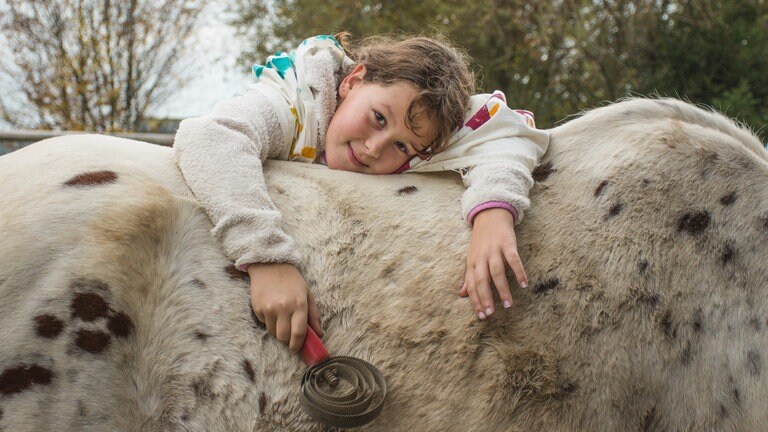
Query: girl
x,y
387,107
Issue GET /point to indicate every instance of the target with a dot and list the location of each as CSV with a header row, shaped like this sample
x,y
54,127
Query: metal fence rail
x,y
16,139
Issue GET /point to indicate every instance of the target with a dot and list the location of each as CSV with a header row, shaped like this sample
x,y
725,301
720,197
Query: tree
x,y
715,53
543,55
92,64
560,57
516,44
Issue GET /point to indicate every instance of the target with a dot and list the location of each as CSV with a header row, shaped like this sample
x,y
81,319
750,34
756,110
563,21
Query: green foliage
x,y
560,57
714,53
740,103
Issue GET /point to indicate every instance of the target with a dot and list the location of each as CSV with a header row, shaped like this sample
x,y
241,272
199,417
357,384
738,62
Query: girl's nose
x,y
375,145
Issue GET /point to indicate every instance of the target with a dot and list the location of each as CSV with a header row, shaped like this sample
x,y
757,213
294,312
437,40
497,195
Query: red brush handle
x,y
313,351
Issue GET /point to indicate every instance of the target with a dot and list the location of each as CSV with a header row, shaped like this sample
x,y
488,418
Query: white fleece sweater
x,y
220,155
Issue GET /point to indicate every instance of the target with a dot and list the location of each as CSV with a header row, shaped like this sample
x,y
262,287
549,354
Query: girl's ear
x,y
351,81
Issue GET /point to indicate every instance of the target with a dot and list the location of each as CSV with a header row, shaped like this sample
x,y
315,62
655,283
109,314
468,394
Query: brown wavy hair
x,y
438,69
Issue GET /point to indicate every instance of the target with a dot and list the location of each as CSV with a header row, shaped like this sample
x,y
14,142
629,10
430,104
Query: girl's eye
x,y
402,147
380,118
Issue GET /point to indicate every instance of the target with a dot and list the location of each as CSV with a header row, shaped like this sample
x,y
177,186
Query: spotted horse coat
x,y
647,311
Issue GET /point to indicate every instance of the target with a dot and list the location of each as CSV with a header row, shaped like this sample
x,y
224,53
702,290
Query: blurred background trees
x,y
562,56
92,65
99,64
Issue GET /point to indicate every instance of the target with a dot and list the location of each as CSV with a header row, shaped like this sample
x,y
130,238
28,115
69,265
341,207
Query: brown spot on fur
x,y
729,199
687,354
203,388
249,370
387,271
88,306
542,172
615,209
546,285
698,320
754,364
665,322
272,240
93,178
723,411
736,395
643,267
198,283
408,190
601,188
262,403
236,274
569,388
694,223
727,254
48,326
22,377
120,325
755,323
92,341
649,420
203,336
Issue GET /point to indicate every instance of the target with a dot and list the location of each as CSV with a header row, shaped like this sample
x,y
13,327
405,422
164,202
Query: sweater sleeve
x,y
507,180
491,185
220,156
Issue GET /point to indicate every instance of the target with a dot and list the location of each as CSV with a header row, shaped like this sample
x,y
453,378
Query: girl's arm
x,y
220,156
495,200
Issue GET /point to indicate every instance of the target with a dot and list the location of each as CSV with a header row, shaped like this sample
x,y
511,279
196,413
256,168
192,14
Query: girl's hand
x,y
492,247
281,299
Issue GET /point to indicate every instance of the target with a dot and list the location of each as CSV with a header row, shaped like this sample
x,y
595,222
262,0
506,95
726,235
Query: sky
x,y
215,74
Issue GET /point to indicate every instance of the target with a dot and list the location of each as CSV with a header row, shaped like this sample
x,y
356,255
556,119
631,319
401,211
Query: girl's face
x,y
367,133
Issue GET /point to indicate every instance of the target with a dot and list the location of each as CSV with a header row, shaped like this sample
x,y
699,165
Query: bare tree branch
x,y
94,64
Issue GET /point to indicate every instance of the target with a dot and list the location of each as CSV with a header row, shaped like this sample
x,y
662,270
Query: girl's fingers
x,y
314,315
517,267
259,316
463,290
271,324
483,288
499,276
472,292
283,328
297,330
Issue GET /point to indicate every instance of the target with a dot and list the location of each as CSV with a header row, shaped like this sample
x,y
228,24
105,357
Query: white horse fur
x,y
646,247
